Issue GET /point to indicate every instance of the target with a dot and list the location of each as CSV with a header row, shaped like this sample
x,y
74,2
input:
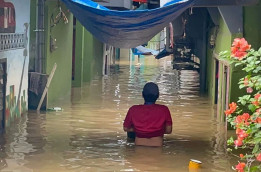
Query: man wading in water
x,y
149,121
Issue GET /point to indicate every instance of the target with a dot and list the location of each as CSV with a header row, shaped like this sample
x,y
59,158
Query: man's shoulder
x,y
136,106
141,106
162,106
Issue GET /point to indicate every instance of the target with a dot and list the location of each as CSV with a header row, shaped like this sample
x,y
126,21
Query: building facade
x,y
14,58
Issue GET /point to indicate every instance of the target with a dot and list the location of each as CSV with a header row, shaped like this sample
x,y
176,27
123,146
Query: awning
x,y
125,29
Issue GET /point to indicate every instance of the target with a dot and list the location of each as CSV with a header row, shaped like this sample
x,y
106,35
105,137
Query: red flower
x,y
228,112
239,55
242,119
246,81
239,119
245,116
256,103
258,111
236,42
238,130
240,166
249,90
242,135
232,108
258,120
258,157
241,155
238,142
257,96
239,48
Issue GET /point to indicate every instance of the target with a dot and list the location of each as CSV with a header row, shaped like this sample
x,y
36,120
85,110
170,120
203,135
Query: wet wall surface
x,y
87,135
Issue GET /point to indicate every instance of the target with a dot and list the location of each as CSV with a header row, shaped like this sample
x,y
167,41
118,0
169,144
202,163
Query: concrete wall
x,y
124,54
88,53
88,56
60,86
252,25
16,56
252,33
222,43
32,45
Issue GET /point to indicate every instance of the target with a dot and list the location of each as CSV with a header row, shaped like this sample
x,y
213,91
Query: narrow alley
x,y
87,135
71,70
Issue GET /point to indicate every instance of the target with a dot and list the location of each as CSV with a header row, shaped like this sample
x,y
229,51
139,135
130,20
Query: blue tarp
x,y
125,29
140,50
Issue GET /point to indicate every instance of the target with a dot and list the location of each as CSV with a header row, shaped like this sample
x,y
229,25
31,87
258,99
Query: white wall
x,y
17,56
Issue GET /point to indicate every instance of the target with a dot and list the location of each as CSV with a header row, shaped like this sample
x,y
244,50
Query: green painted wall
x,y
210,69
223,41
252,25
210,75
32,34
93,57
60,86
252,32
79,54
88,57
97,57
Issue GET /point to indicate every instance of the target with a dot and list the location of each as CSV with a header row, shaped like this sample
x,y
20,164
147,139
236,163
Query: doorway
x,y
2,93
216,81
73,48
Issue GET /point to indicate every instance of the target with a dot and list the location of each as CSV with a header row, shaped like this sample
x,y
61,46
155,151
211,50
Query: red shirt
x,y
148,120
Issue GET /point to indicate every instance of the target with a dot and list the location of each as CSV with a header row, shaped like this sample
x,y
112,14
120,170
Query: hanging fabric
x,y
141,1
125,29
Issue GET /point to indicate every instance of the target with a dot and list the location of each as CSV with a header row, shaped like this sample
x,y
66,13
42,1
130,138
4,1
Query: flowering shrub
x,y
244,115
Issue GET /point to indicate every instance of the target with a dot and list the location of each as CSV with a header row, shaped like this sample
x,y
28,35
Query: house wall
x,y
60,87
252,25
17,57
32,45
222,43
88,56
79,56
88,53
252,33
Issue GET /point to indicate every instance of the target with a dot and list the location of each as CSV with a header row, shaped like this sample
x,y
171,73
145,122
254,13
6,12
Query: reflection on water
x,y
88,136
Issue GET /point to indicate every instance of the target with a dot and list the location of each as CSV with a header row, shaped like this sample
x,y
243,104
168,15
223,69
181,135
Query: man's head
x,y
150,92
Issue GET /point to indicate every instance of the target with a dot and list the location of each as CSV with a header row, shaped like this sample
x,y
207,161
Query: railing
x,y
11,41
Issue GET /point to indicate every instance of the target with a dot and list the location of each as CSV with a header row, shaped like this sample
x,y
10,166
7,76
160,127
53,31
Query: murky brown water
x,y
88,135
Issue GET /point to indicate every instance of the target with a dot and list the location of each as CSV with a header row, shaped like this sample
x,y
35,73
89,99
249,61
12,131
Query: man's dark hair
x,y
150,92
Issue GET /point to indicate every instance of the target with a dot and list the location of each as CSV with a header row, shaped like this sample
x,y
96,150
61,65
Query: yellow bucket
x,y
195,164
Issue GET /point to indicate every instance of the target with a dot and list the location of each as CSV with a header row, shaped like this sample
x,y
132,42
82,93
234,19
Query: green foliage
x,y
246,117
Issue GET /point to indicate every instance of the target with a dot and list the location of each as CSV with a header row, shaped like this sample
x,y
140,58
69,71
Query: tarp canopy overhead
x,y
125,29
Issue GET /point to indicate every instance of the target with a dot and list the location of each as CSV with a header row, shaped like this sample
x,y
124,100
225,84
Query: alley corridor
x,y
87,135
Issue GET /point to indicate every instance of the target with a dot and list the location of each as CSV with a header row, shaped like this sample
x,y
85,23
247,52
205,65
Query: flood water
x,y
87,135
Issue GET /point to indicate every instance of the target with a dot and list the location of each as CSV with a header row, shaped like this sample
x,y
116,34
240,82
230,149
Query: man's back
x,y
149,120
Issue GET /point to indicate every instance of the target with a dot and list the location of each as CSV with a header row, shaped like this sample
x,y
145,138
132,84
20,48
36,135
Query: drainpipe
x,y
39,37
